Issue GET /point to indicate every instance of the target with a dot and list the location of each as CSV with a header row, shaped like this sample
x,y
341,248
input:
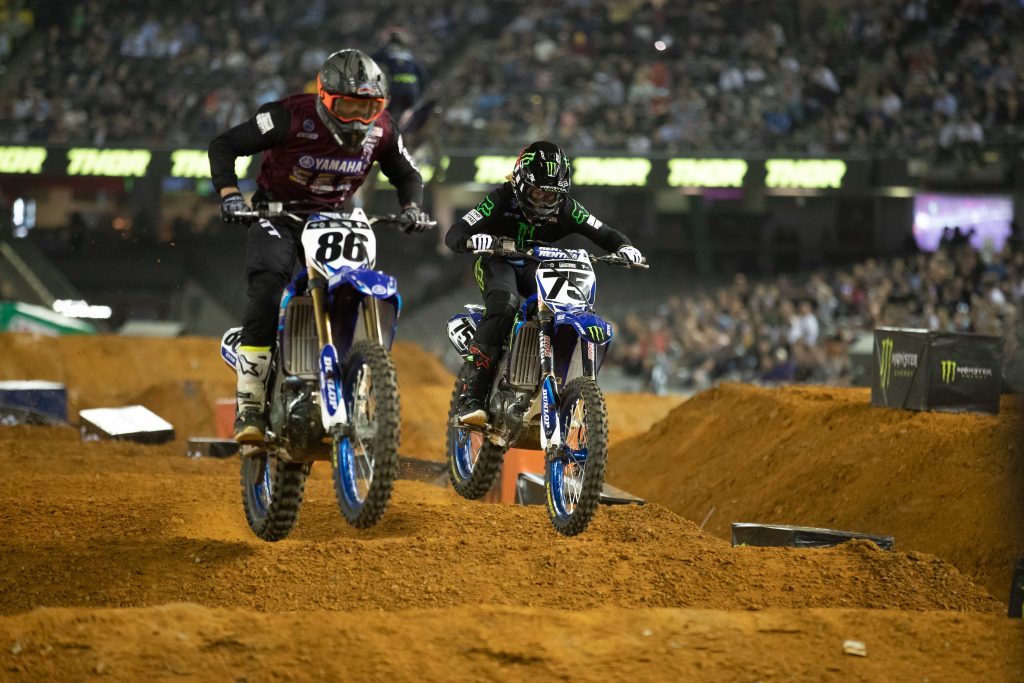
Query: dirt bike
x,y
332,393
545,395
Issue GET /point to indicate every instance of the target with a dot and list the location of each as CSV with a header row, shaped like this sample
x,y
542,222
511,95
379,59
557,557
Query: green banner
x,y
804,174
22,159
706,172
125,163
195,163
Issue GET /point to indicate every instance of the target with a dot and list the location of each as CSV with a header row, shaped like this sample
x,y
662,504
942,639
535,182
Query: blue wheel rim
x,y
463,453
566,458
347,457
262,490
347,472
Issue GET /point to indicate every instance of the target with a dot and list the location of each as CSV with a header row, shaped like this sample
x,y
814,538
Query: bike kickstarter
x,y
545,393
332,390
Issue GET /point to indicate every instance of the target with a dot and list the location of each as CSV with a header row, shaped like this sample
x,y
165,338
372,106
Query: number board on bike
x,y
334,245
566,283
461,330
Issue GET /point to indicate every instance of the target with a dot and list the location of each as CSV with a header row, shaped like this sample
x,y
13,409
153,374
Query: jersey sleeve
x,y
575,218
267,129
401,170
477,220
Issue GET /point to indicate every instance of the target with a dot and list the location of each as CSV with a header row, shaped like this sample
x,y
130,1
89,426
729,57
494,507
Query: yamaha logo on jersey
x,y
347,166
308,126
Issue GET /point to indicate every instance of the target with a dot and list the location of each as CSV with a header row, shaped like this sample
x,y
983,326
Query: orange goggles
x,y
347,108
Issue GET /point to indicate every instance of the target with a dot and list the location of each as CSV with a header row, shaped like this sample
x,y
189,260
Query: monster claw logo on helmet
x,y
352,93
541,180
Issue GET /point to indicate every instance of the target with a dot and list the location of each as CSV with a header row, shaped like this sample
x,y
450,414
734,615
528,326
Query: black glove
x,y
231,205
415,219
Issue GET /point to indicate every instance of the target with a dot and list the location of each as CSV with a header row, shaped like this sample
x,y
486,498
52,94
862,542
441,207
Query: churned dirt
x,y
120,561
946,484
177,642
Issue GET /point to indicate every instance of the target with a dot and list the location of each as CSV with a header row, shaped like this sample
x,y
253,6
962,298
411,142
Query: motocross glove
x,y
481,242
231,205
415,219
631,254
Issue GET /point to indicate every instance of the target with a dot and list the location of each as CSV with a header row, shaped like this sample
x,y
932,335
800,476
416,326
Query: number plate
x,y
461,330
566,283
332,246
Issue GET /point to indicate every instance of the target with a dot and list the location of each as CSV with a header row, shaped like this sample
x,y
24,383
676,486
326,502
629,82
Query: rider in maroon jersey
x,y
318,148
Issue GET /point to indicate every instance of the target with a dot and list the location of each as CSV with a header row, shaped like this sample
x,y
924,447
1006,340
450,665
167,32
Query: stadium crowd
x,y
914,76
154,73
895,75
800,329
943,77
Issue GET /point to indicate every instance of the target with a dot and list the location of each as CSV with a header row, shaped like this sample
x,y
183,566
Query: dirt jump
x,y
123,561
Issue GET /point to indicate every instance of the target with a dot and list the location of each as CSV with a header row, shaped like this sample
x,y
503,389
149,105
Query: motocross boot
x,y
472,406
252,364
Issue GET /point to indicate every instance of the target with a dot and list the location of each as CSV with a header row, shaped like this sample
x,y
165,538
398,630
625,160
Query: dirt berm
x,y
946,484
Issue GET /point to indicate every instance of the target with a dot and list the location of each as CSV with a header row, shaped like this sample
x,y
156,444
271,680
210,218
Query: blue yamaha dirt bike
x,y
545,394
332,392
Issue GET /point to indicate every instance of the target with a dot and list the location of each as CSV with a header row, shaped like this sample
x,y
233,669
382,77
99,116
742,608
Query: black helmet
x,y
352,93
541,180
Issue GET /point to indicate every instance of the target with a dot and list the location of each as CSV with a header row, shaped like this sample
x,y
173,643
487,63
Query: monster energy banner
x,y
923,370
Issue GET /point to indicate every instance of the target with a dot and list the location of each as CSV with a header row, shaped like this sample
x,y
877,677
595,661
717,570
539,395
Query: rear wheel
x,y
574,472
473,461
366,461
272,494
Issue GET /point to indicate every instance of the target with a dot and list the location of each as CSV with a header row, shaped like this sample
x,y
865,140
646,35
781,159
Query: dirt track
x,y
132,562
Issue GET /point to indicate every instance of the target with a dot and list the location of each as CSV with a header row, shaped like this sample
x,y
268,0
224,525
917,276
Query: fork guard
x,y
587,325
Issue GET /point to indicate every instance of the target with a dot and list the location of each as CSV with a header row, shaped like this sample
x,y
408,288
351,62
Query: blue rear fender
x,y
587,325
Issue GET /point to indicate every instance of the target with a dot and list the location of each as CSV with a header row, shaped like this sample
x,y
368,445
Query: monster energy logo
x,y
948,371
579,214
525,233
486,206
951,371
885,362
527,158
596,332
891,363
551,167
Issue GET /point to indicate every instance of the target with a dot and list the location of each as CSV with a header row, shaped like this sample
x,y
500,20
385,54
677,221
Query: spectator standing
x,y
404,74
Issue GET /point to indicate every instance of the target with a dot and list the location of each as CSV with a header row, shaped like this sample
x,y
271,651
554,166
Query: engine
x,y
295,415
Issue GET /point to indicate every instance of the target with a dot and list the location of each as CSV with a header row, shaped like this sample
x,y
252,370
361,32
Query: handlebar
x,y
298,211
506,249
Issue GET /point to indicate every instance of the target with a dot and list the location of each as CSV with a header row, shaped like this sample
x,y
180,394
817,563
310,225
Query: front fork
x,y
550,431
333,412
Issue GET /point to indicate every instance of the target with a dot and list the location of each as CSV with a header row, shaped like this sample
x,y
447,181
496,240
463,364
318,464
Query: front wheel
x,y
365,462
272,494
473,461
574,471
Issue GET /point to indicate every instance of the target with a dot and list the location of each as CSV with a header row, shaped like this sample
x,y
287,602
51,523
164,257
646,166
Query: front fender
x,y
587,325
370,282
